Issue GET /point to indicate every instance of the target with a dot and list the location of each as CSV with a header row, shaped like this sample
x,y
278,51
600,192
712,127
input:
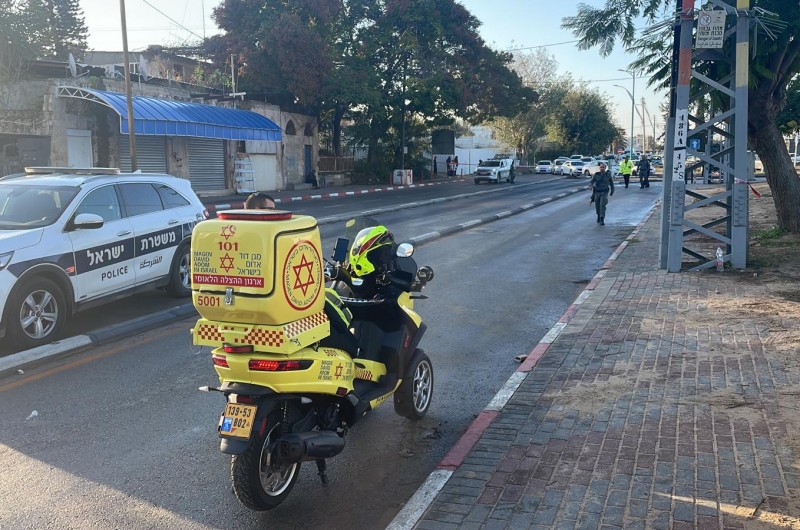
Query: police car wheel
x,y
37,311
180,273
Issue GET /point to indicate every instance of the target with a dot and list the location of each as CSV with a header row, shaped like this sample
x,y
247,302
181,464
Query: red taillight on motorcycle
x,y
220,360
260,365
244,348
341,391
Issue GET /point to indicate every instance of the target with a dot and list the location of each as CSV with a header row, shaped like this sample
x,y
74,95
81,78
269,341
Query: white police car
x,y
71,239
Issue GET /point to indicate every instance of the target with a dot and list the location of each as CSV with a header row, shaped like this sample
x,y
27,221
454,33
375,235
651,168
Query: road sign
x,y
710,29
694,144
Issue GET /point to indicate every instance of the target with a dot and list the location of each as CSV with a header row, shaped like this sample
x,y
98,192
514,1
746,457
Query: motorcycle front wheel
x,y
258,482
416,391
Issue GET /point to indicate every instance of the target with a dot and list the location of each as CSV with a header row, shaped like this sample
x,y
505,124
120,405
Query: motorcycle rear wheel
x,y
258,483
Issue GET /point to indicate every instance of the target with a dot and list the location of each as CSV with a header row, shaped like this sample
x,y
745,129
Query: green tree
x,y
383,64
583,122
774,63
36,29
64,31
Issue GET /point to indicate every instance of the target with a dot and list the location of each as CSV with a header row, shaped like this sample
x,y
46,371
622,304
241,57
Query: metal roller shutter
x,y
151,153
207,164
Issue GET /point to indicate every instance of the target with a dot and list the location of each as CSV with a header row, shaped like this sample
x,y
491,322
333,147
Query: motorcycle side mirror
x,y
405,250
340,249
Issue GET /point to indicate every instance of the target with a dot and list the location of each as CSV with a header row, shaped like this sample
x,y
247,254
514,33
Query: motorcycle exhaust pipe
x,y
313,445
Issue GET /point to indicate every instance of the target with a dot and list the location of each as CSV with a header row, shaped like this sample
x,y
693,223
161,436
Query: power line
x,y
172,19
541,46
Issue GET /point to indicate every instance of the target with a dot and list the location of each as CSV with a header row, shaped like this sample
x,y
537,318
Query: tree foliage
x,y
38,29
583,122
387,66
774,63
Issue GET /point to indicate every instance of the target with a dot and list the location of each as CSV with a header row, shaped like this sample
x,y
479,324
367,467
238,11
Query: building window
x,y
308,130
290,128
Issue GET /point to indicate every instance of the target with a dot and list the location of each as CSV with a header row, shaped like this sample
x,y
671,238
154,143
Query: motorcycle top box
x,y
257,279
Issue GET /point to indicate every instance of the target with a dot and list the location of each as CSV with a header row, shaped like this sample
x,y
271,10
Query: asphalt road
x,y
121,438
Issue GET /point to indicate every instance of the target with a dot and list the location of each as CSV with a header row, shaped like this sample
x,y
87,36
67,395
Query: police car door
x,y
103,255
158,231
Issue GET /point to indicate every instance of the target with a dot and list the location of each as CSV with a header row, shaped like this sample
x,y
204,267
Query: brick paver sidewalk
x,y
656,407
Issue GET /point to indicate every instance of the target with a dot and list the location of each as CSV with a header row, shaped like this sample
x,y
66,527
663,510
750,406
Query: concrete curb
x,y
62,348
416,507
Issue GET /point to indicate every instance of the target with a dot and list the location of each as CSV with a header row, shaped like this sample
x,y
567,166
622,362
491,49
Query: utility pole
x,y
644,128
129,97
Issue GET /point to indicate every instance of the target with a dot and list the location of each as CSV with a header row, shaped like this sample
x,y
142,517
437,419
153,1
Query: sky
x,y
506,25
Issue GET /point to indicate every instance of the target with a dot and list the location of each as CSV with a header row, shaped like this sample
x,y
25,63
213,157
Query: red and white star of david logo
x,y
305,268
226,262
302,275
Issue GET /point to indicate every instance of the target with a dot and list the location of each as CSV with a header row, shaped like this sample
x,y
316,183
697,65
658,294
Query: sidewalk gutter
x,y
65,347
415,508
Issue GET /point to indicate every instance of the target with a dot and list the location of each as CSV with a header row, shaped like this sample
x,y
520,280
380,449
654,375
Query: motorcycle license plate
x,y
237,420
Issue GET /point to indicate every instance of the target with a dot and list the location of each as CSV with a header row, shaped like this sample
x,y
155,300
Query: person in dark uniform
x,y
602,187
643,168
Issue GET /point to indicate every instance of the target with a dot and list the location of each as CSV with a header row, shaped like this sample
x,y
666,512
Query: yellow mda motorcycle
x,y
298,362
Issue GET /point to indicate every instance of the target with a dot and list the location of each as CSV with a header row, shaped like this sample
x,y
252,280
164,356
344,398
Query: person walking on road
x,y
643,168
602,187
625,169
511,173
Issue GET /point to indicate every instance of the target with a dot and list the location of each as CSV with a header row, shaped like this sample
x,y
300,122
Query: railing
x,y
336,163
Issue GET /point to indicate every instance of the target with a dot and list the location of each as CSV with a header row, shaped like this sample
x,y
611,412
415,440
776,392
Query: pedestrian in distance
x,y
312,179
602,187
643,169
435,169
449,163
259,201
511,173
625,169
455,165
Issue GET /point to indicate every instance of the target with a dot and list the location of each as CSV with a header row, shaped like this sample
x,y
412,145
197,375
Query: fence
x,y
336,163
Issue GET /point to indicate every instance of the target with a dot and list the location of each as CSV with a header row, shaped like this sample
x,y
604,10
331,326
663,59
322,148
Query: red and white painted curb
x,y
240,204
427,492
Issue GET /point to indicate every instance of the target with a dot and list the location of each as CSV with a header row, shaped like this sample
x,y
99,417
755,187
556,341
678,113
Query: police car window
x,y
140,199
103,202
170,197
31,207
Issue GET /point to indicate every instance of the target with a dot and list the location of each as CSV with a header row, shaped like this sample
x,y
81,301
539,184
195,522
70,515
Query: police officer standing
x,y
602,187
625,169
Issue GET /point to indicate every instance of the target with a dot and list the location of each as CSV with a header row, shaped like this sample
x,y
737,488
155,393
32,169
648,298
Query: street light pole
x,y
632,93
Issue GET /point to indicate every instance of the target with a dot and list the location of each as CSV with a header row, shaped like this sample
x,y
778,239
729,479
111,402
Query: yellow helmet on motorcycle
x,y
371,250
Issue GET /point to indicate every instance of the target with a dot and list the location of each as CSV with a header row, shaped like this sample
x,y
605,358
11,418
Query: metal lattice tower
x,y
683,128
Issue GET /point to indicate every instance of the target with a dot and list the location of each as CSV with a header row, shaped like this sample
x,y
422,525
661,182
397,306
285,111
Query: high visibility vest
x,y
626,167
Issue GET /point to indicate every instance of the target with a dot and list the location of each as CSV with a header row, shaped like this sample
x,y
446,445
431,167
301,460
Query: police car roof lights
x,y
254,215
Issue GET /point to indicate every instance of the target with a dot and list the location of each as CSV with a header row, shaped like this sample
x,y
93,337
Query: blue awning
x,y
161,117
